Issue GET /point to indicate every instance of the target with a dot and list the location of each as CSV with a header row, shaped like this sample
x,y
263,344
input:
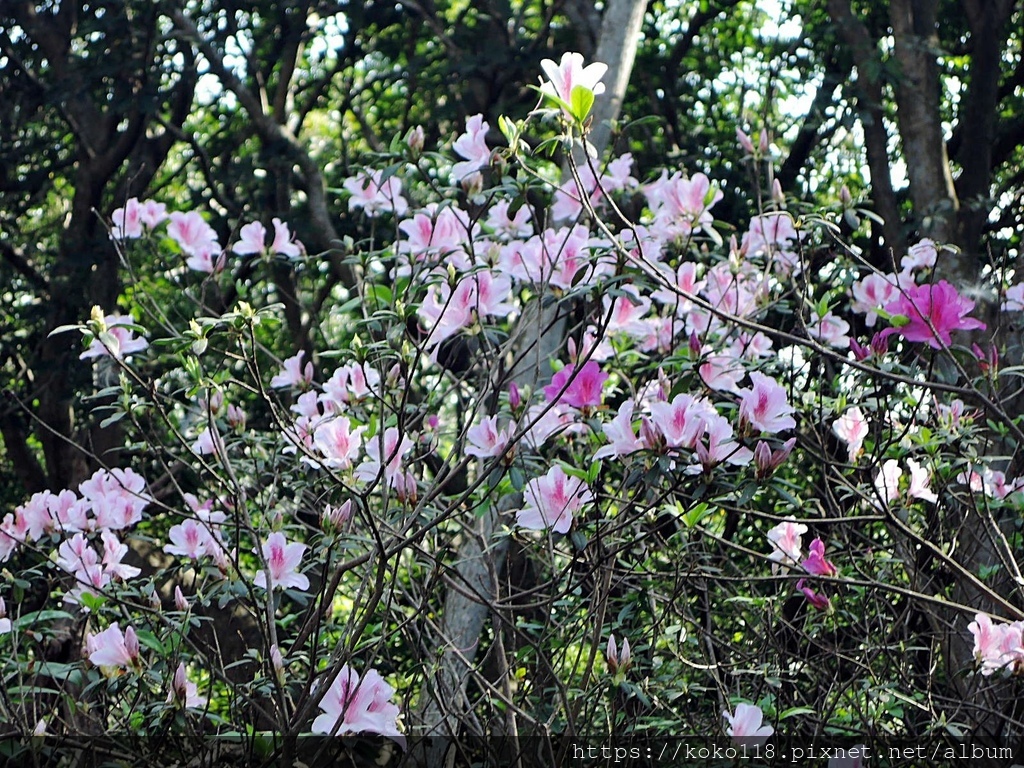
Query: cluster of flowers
x,y
787,551
997,646
196,239
110,501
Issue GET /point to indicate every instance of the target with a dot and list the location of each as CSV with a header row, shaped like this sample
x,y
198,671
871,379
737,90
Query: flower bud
x,y
745,143
40,729
334,518
762,142
777,194
415,139
131,643
695,344
844,196
236,417
649,435
515,399
570,345
179,600
879,344
179,683
611,655
277,662
860,352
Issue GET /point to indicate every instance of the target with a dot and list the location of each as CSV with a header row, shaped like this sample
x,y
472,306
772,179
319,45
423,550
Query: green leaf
x,y
582,99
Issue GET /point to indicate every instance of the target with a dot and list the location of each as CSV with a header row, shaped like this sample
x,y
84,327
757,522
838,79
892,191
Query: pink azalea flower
x,y
127,221
374,196
282,243
472,145
111,648
765,406
815,563
251,239
352,705
484,440
582,387
499,221
682,421
871,294
192,234
1014,301
552,500
113,552
282,560
183,691
922,255
389,455
887,483
293,374
919,483
545,422
786,539
570,72
188,539
851,428
683,205
932,313
720,445
745,725
338,442
622,440
830,330
118,341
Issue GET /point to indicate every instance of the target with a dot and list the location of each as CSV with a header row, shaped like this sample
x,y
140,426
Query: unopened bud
x,y
179,600
845,197
40,729
777,194
611,655
179,683
131,643
335,518
860,352
649,434
415,139
745,143
879,344
236,417
570,345
515,399
695,344
473,184
277,662
762,142
405,487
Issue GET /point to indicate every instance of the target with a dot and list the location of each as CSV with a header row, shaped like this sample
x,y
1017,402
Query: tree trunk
x,y
919,118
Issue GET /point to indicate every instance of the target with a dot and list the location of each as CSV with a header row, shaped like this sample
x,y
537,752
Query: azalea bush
x,y
727,478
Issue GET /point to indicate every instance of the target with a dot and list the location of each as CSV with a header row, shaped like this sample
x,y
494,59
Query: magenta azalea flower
x,y
583,390
932,312
815,563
